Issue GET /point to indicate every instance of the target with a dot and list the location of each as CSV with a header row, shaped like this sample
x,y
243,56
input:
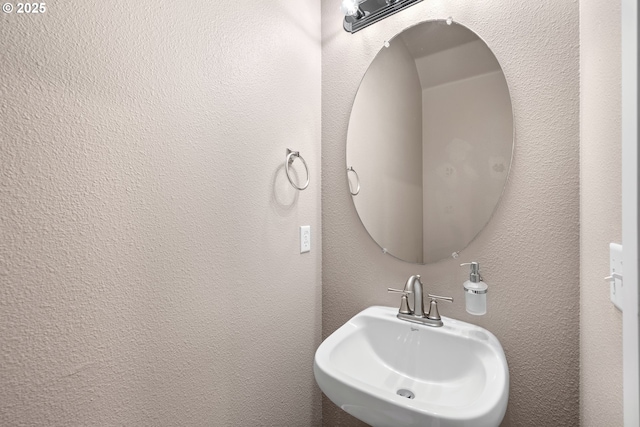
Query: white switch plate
x,y
615,266
305,238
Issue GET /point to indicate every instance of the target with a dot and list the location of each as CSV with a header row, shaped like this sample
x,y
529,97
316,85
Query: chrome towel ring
x,y
351,169
290,158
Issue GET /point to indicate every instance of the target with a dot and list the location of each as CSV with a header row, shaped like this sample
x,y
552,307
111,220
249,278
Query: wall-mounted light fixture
x,y
362,13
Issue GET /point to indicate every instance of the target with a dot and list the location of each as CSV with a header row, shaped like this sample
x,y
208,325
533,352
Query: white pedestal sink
x,y
389,372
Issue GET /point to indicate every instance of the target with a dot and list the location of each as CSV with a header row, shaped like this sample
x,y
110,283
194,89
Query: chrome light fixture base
x,y
372,11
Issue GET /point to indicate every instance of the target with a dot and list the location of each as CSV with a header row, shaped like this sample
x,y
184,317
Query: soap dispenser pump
x,y
475,291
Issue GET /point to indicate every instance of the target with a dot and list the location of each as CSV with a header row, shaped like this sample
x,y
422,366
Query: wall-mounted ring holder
x,y
291,155
354,193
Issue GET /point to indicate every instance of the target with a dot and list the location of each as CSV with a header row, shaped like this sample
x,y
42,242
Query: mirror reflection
x,y
430,141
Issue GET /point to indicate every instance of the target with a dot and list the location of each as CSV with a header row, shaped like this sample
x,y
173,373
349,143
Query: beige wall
x,y
529,252
150,271
390,198
600,212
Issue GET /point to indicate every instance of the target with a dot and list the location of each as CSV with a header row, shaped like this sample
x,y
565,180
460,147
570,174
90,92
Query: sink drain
x,y
406,393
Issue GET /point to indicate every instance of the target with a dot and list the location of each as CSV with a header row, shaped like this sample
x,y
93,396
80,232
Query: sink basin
x,y
393,373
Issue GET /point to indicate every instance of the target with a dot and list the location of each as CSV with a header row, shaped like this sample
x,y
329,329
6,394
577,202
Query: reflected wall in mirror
x,y
430,138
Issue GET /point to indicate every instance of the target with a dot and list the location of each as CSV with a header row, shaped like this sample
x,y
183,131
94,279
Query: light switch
x,y
616,277
305,238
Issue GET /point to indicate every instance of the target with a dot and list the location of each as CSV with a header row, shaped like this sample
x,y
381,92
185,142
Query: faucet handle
x,y
398,291
404,301
436,297
433,313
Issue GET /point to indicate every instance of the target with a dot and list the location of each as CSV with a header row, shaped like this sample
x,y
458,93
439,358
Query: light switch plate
x,y
616,283
305,238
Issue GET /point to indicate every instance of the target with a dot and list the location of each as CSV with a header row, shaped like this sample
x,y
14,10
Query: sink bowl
x,y
390,372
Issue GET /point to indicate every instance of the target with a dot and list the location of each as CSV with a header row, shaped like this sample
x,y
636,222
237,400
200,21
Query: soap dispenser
x,y
475,291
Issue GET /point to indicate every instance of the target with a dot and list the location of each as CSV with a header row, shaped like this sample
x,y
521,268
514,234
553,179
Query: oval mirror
x,y
430,141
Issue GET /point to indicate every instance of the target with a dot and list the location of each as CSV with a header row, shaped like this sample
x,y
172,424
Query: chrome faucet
x,y
417,315
414,285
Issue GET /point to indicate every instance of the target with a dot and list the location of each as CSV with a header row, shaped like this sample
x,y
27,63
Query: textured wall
x,y
529,251
149,252
600,212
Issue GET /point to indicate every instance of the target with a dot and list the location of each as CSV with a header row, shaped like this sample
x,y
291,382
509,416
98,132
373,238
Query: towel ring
x,y
351,169
290,158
